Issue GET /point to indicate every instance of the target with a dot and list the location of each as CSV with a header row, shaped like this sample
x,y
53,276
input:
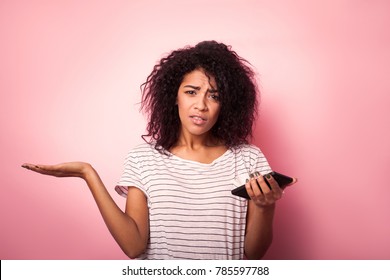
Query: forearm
x,y
121,226
259,230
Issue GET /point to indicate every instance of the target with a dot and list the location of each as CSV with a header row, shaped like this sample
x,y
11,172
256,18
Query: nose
x,y
200,103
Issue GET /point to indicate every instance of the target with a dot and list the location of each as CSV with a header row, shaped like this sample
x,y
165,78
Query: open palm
x,y
68,169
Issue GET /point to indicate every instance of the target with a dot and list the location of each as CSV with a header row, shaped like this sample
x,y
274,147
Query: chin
x,y
199,132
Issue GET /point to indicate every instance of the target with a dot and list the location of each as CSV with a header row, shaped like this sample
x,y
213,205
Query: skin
x,y
130,229
197,97
199,107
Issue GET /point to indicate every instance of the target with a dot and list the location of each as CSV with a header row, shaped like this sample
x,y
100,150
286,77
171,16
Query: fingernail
x,y
268,176
251,175
257,174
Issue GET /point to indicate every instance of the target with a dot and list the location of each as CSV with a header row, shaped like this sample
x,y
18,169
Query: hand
x,y
260,193
68,169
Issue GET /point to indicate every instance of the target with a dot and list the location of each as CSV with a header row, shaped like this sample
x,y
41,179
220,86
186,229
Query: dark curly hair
x,y
236,86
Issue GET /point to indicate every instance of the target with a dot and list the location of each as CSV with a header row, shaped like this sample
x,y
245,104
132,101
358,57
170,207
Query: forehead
x,y
199,77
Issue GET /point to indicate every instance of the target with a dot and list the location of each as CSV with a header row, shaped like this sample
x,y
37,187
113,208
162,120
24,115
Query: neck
x,y
200,148
195,142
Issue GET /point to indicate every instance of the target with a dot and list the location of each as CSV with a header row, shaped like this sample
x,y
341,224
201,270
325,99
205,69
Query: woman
x,y
201,103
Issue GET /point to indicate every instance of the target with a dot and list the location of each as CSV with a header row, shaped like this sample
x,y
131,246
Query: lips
x,y
198,120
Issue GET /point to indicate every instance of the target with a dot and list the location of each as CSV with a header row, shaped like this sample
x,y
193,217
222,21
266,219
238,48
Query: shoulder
x,y
253,158
250,153
142,150
146,151
248,149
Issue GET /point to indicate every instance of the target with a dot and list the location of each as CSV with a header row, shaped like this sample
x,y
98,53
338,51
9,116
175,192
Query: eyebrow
x,y
198,88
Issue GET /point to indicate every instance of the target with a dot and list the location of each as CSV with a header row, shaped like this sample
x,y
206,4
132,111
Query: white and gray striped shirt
x,y
193,214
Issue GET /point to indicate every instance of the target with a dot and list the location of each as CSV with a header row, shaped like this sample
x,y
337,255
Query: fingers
x,y
259,191
31,167
42,169
67,169
277,191
36,167
52,170
293,182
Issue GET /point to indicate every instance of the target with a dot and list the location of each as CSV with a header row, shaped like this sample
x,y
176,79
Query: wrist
x,y
265,208
87,171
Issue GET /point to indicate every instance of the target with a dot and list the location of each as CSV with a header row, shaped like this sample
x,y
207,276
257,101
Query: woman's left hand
x,y
260,193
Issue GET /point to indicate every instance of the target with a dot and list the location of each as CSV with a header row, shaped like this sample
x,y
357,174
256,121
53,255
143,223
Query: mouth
x,y
198,120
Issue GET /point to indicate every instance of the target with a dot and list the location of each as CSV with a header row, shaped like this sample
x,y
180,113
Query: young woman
x,y
201,103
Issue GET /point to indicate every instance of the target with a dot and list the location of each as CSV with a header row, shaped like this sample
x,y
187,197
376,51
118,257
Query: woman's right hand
x,y
130,229
68,169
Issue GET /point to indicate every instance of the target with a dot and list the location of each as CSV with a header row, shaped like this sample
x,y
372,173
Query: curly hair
x,y
236,86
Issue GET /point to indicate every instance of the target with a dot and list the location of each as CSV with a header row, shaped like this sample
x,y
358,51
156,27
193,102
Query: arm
x,y
259,230
260,215
130,229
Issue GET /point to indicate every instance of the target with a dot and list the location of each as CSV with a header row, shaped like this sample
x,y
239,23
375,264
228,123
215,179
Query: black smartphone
x,y
283,181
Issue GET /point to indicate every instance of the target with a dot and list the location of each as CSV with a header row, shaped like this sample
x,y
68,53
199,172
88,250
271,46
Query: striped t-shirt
x,y
192,213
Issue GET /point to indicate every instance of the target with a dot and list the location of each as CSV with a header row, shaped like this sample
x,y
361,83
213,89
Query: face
x,y
198,103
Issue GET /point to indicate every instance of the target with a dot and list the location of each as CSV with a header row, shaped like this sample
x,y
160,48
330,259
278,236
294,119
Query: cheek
x,y
182,109
215,114
181,106
182,102
217,109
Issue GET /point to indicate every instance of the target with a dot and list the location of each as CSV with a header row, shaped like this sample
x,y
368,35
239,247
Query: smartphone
x,y
283,181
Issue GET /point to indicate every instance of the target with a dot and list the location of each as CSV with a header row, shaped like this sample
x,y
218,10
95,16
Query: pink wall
x,y
69,82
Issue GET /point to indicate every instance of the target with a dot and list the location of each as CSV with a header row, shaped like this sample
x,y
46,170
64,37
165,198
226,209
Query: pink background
x,y
70,73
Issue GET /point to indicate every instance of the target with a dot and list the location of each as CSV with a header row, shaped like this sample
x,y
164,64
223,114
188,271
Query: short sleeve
x,y
131,176
259,162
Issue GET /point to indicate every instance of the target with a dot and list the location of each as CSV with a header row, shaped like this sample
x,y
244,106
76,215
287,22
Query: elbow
x,y
134,253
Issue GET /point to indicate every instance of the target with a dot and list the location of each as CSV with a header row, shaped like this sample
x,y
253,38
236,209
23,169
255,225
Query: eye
x,y
190,92
214,96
